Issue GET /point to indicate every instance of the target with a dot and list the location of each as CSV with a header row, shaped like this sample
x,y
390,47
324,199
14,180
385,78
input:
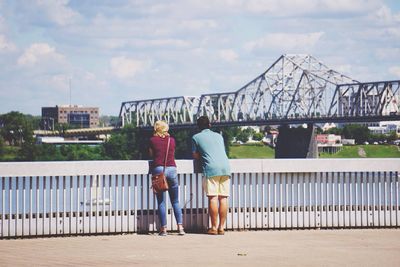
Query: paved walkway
x,y
253,248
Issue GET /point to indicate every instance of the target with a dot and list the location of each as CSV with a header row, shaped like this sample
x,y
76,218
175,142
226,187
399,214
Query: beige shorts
x,y
217,185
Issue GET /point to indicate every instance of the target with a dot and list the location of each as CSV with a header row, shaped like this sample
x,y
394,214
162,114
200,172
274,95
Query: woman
x,y
157,150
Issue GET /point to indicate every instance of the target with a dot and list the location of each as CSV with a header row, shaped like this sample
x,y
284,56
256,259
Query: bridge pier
x,y
296,142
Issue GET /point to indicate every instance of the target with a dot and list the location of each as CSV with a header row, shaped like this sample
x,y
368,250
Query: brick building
x,y
79,116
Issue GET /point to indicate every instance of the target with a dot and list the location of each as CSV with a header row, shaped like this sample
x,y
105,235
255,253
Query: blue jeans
x,y
171,174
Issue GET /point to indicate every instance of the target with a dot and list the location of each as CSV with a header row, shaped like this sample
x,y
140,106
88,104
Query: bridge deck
x,y
253,248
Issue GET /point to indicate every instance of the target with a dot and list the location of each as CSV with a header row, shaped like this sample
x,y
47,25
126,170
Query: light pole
x,y
20,134
12,137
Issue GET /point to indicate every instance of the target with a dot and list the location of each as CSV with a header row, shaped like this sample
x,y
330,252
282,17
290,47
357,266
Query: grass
x,y
346,152
251,151
371,151
382,151
265,152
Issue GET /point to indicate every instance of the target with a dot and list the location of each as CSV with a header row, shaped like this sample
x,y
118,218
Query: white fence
x,y
91,197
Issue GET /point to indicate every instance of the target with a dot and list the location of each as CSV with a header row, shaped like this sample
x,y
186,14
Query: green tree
x,y
124,145
13,127
17,130
258,136
245,134
61,128
392,136
336,131
243,137
48,152
228,133
105,120
377,137
2,147
29,150
183,140
319,130
34,121
355,131
115,147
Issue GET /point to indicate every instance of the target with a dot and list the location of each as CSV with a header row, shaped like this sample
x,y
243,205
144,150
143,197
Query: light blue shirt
x,y
211,147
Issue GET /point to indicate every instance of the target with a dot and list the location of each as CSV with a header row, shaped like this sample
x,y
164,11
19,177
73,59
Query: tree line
x,y
129,143
361,134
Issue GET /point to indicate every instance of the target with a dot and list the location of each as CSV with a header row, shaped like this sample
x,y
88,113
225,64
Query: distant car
x,y
375,143
366,143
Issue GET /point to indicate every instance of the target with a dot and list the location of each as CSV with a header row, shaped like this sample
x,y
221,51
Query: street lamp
x,y
11,137
20,134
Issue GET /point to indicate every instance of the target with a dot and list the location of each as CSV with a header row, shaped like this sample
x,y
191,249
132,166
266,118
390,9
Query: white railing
x,y
91,197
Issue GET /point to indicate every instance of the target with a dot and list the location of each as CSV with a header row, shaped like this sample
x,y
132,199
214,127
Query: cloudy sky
x,y
112,51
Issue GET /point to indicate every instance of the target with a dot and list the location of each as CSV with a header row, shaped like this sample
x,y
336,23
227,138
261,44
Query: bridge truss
x,y
295,88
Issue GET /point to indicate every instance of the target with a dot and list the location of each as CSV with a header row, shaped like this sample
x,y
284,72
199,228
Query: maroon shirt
x,y
159,147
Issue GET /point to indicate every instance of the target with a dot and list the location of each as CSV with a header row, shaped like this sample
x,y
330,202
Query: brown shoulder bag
x,y
159,182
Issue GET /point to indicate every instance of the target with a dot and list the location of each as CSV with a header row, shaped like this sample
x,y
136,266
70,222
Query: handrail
x,y
11,169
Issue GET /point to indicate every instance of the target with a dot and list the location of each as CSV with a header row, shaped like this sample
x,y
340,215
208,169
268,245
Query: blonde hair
x,y
161,129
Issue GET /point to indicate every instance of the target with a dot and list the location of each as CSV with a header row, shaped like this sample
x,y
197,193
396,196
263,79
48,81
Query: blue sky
x,y
120,50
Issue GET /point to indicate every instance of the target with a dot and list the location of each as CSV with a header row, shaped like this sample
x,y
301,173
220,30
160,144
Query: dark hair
x,y
203,123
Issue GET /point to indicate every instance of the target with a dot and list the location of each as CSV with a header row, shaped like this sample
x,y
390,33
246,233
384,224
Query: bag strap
x,y
166,154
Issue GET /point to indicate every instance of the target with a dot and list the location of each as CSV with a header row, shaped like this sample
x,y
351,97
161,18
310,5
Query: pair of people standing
x,y
208,147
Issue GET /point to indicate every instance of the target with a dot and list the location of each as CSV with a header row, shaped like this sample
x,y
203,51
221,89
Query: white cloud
x,y
395,70
394,32
2,22
39,52
228,55
58,82
168,42
388,53
125,68
384,16
58,11
6,45
285,41
344,69
198,24
280,8
354,6
118,43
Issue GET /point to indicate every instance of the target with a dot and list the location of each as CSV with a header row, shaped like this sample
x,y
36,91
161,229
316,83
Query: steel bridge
x,y
294,89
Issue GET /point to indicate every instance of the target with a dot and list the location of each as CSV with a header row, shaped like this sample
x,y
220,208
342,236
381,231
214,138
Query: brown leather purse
x,y
159,182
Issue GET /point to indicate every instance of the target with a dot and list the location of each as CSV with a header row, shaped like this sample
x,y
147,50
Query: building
x,y
385,127
328,139
57,140
74,115
328,143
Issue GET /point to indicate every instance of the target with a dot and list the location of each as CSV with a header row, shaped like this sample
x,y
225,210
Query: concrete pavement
x,y
368,247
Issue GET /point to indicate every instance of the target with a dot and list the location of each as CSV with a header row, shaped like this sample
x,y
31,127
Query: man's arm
x,y
196,155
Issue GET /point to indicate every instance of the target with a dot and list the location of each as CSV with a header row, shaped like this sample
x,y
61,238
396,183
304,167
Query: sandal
x,y
181,231
212,231
221,231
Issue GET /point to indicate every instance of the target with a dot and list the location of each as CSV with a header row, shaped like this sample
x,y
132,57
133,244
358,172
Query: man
x,y
209,147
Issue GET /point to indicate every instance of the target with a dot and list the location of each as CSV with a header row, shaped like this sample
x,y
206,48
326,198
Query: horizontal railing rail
x,y
98,197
